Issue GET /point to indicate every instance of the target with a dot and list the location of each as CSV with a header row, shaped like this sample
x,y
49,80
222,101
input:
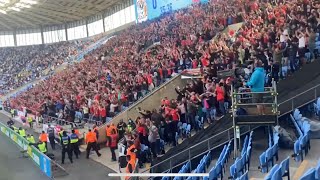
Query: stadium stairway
x,y
294,92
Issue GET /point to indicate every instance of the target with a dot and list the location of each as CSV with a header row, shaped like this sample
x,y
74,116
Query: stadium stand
x,y
21,65
104,89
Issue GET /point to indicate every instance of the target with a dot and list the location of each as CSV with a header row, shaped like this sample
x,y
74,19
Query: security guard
x,y
12,113
65,143
22,132
130,166
30,138
15,129
51,135
91,140
74,139
30,121
44,138
42,147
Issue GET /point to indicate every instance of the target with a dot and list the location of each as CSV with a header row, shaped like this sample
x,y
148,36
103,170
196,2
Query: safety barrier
x,y
43,162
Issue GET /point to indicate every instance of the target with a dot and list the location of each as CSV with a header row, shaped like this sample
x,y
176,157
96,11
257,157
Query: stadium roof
x,y
17,14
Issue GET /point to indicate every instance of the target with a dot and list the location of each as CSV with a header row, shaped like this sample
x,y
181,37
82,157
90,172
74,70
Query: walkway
x,y
81,169
13,166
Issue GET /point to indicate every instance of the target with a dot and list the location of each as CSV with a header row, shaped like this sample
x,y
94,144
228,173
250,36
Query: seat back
x,y
309,175
263,162
272,171
277,174
296,149
318,171
285,166
245,176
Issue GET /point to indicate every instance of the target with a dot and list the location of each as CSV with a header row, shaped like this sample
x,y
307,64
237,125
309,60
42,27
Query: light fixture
x,y
29,1
3,12
14,8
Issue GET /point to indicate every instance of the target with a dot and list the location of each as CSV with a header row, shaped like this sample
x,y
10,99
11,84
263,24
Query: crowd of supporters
x,y
20,65
283,35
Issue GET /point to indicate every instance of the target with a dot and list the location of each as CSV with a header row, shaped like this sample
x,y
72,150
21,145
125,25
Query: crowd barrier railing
x,y
43,162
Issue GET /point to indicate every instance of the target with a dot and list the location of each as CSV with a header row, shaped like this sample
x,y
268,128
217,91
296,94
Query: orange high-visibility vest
x,y
91,137
43,137
132,162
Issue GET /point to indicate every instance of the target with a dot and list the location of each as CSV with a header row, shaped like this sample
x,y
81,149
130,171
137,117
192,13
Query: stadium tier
x,y
238,61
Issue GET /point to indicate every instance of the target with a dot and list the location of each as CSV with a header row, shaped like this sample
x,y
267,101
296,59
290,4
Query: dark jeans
x,y
275,72
153,147
68,151
92,145
113,154
221,107
75,149
191,120
52,142
293,63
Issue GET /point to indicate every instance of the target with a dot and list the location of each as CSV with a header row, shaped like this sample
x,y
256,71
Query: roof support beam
x,y
6,25
24,21
62,14
42,18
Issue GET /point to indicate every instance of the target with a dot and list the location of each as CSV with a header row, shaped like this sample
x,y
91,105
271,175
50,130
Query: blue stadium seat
x,y
208,159
245,176
248,157
245,144
263,163
233,171
318,171
309,175
277,174
275,152
284,165
297,150
272,171
269,157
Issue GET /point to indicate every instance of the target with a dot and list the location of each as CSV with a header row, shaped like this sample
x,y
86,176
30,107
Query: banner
x,y
150,9
41,160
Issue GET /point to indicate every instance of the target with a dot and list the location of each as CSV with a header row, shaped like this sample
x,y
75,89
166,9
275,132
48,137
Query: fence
x,y
43,162
197,150
193,151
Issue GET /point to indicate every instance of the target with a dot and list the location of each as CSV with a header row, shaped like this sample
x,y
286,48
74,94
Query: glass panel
x,y
6,40
95,28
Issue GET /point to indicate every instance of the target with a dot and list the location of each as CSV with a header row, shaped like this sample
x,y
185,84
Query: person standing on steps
x,y
91,140
113,144
30,121
74,140
51,135
65,143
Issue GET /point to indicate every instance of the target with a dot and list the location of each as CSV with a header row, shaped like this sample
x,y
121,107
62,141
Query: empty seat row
x,y
312,174
266,159
242,163
303,142
279,171
219,169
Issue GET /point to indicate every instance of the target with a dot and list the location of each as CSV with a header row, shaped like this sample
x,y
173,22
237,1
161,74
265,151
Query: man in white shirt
x,y
302,46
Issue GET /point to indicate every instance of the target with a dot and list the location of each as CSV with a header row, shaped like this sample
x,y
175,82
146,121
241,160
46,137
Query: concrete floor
x,y
81,169
13,166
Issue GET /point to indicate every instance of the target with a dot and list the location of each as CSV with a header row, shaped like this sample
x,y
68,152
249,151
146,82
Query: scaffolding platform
x,y
254,118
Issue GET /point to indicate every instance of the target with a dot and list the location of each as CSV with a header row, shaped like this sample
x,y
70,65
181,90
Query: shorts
x,y
257,98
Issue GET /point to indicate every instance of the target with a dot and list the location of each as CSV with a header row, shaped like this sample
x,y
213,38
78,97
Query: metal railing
x,y
310,95
193,152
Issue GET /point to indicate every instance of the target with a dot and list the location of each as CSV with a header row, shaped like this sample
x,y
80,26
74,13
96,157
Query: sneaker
x,y
99,155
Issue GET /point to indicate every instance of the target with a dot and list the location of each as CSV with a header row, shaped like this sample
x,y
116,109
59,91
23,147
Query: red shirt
x,y
174,114
102,112
220,94
142,130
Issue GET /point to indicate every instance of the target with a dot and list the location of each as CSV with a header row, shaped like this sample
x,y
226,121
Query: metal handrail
x,y
207,140
206,151
299,94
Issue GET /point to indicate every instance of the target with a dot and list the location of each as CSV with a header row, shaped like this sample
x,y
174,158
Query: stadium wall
x,y
149,102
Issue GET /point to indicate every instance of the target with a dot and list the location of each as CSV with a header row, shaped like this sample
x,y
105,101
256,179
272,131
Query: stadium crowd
x,y
20,65
281,34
